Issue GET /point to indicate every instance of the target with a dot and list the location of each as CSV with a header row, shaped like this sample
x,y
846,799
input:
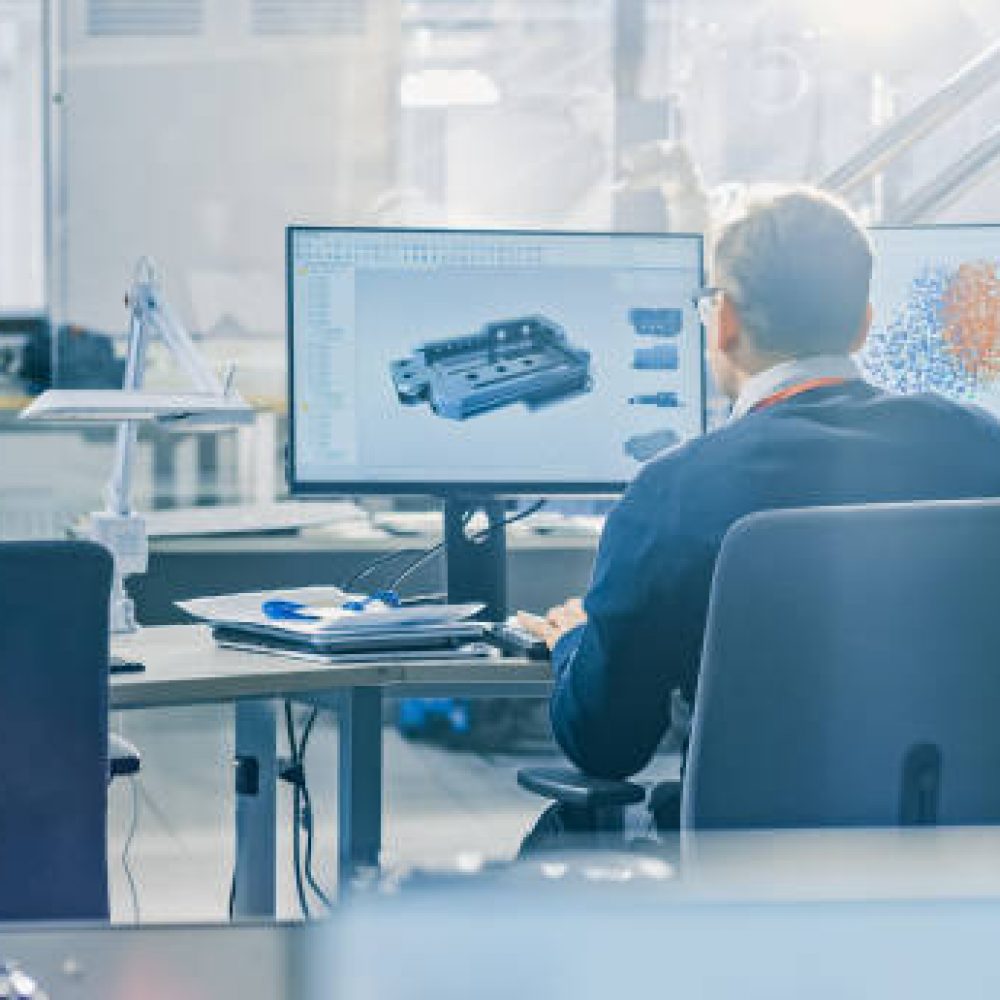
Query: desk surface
x,y
184,666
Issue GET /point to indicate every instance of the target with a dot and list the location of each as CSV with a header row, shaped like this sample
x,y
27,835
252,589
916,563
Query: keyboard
x,y
512,640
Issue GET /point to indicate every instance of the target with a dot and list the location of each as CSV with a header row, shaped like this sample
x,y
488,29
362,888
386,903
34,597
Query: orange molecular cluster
x,y
970,319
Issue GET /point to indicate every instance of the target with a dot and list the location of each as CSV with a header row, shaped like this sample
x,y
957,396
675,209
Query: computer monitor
x,y
936,301
488,362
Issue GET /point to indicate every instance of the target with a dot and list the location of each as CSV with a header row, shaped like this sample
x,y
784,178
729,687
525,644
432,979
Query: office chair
x,y
849,674
53,739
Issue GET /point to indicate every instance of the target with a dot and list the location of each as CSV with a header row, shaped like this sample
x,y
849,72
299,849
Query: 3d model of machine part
x,y
525,360
656,322
659,357
655,399
643,447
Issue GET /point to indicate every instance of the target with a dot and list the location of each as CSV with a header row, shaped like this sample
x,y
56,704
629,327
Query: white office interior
x,y
242,243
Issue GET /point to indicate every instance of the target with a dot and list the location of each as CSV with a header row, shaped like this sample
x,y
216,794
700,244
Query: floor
x,y
438,804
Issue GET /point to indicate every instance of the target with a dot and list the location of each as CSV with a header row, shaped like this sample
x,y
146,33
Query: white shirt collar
x,y
758,387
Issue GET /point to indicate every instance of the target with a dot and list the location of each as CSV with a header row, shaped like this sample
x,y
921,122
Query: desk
x,y
185,667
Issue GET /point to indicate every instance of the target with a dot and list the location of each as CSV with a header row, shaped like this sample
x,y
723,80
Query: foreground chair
x,y
53,740
849,674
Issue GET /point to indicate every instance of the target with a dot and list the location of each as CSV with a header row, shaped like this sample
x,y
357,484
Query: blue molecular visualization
x,y
910,353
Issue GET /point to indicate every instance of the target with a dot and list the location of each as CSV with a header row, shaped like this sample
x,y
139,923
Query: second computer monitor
x,y
936,305
489,361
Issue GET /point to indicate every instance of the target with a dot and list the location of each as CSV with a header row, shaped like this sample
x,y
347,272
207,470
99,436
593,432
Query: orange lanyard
x,y
793,390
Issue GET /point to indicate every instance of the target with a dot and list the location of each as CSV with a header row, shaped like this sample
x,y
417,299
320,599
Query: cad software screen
x,y
936,301
430,358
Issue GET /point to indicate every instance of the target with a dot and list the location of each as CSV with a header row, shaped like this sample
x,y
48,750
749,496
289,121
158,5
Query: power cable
x,y
476,536
421,556
127,846
293,773
374,565
303,821
307,811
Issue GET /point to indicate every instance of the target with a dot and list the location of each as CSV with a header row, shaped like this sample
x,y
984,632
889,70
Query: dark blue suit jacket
x,y
646,607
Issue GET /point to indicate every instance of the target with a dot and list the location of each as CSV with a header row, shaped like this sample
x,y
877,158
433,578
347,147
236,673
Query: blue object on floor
x,y
421,718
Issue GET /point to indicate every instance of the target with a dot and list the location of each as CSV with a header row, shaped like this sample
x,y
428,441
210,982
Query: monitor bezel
x,y
878,226
456,487
904,227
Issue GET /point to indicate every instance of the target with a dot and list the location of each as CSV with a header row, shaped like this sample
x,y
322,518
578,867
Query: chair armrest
x,y
665,804
123,757
575,789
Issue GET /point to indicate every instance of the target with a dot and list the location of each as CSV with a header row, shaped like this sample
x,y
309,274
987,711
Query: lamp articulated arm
x,y
118,527
212,403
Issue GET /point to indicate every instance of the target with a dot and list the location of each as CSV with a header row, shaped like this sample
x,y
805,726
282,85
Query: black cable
x,y
130,835
476,536
300,889
307,811
126,863
373,565
412,567
308,821
513,519
310,722
296,806
421,556
301,815
424,555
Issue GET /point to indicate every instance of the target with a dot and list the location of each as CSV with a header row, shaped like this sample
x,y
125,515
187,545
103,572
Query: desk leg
x,y
256,810
360,786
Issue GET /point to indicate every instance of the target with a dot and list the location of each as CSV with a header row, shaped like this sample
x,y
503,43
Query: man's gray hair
x,y
797,266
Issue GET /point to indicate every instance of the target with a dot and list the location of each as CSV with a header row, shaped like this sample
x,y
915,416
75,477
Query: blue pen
x,y
287,611
279,610
388,597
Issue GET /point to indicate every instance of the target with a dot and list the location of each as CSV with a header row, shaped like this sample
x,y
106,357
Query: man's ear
x,y
730,327
866,325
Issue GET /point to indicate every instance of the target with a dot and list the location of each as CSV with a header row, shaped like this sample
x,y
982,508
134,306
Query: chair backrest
x,y
53,730
851,670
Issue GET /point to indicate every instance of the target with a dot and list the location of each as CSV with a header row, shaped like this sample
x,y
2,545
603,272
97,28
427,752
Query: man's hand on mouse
x,y
556,623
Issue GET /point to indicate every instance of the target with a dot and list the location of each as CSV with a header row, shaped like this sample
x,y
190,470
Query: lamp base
x,y
124,536
121,617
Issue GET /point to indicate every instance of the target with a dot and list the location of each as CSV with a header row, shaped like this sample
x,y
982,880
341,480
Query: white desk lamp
x,y
214,402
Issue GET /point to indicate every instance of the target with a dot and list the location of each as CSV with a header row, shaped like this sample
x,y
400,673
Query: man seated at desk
x,y
789,306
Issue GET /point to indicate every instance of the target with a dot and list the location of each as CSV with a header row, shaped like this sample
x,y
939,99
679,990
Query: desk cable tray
x,y
524,360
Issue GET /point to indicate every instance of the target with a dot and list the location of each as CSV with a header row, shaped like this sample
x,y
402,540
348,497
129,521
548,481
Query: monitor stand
x,y
476,559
